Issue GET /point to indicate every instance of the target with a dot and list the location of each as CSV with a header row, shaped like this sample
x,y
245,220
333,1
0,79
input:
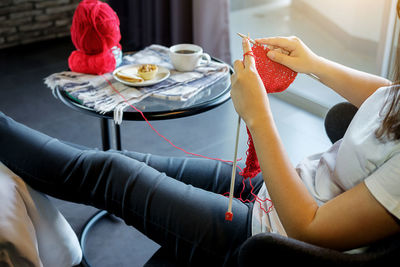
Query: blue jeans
x,y
177,202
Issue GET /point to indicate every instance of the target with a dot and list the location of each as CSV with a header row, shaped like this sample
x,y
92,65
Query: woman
x,y
334,199
344,198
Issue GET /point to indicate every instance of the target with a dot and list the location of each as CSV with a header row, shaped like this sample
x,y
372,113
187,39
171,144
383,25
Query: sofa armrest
x,y
272,248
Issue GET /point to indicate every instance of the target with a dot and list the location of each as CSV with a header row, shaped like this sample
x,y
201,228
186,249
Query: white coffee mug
x,y
186,57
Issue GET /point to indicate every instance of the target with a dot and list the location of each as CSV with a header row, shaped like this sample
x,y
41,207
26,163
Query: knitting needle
x,y
312,75
229,214
244,36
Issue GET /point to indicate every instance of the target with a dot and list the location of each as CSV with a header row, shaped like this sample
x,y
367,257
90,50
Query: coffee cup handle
x,y
206,59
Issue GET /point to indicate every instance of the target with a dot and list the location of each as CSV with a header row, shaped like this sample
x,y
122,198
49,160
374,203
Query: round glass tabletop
x,y
158,108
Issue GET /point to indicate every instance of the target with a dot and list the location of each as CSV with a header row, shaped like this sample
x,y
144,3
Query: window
x,y
355,33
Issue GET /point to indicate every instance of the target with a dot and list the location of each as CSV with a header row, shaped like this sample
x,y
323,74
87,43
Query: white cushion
x,y
32,230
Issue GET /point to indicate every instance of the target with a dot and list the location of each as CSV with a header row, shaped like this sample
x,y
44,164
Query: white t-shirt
x,y
359,156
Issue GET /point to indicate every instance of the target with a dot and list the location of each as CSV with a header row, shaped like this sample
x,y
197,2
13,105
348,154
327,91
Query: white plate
x,y
162,74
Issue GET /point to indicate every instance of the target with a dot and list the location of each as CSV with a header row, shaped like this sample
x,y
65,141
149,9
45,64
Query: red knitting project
x,y
276,78
94,32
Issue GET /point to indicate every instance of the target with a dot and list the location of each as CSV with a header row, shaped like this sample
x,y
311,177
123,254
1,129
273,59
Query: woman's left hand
x,y
247,90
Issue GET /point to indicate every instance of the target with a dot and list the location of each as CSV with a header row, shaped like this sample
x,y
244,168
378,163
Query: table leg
x,y
117,136
105,134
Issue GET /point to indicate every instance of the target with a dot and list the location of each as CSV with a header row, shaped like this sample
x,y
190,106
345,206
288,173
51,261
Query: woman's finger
x,y
238,66
280,58
247,52
281,50
282,42
233,79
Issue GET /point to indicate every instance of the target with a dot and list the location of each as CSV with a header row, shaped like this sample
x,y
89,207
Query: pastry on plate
x,y
147,71
129,75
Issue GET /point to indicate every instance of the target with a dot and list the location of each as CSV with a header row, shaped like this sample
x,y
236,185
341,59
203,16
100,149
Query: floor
x,y
24,97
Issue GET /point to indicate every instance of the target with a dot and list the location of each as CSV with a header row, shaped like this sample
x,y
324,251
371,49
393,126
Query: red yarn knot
x,y
248,53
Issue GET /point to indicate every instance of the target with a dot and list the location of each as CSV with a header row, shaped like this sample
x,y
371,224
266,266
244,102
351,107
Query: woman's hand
x,y
291,52
354,85
247,90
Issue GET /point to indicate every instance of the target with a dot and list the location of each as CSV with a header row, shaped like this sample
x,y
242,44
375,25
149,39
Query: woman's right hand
x,y
291,52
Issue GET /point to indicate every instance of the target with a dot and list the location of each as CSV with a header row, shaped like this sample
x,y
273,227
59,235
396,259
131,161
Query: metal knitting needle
x,y
229,214
312,75
244,36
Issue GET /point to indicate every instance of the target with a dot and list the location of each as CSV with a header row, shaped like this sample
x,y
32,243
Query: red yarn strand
x,y
158,133
248,53
94,32
193,154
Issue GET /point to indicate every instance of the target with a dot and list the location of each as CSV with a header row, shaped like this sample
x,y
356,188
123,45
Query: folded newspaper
x,y
95,92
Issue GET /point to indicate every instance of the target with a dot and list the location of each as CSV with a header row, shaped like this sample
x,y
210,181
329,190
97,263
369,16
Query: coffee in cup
x,y
186,57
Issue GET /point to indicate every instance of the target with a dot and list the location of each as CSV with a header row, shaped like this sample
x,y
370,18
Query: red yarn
x,y
252,165
94,31
229,215
92,64
276,78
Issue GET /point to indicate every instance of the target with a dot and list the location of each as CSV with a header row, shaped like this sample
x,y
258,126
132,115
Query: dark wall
x,y
28,21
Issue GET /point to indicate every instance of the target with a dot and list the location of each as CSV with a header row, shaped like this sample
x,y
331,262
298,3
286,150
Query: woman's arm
x,y
353,85
352,219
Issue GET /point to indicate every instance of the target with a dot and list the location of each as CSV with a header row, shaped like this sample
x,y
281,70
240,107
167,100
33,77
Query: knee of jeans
x,y
100,161
97,158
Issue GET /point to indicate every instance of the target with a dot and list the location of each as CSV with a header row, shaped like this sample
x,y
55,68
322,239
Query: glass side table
x,y
155,108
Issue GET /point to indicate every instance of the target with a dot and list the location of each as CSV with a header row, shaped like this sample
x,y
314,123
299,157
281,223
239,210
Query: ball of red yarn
x,y
276,78
94,32
91,64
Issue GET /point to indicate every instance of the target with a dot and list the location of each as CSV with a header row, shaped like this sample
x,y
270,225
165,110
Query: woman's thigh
x,y
208,174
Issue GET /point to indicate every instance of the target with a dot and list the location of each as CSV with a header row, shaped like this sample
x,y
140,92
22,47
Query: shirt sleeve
x,y
384,185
